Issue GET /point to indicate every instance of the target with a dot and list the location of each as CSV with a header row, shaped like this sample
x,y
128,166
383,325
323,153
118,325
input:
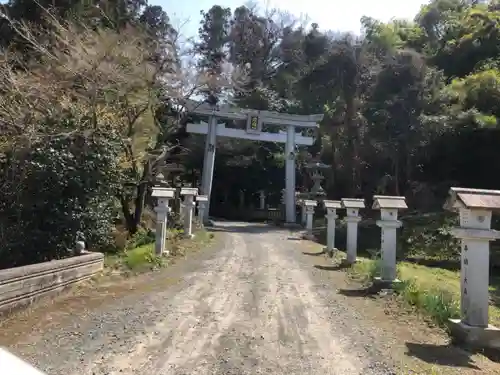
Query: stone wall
x,y
20,286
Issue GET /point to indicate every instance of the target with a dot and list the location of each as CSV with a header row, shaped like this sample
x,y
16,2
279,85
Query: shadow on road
x,y
492,354
314,254
369,291
336,267
252,228
443,355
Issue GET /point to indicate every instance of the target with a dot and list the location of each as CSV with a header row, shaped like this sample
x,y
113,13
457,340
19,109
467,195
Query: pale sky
x,y
337,15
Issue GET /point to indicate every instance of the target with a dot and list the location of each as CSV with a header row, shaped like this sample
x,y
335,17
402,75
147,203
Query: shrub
x,y
61,190
143,257
142,237
430,236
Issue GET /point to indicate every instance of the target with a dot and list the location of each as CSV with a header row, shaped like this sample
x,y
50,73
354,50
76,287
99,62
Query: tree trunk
x,y
129,218
140,199
351,160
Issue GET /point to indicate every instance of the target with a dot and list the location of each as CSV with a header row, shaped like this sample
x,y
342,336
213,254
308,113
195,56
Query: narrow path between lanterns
x,y
253,304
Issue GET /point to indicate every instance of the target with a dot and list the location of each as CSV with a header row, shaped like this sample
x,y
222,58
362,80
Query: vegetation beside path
x,y
142,257
428,263
433,291
409,324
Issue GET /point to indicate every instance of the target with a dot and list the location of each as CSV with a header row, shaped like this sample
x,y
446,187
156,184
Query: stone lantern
x,y
331,216
389,223
310,206
352,207
162,209
189,195
475,207
202,206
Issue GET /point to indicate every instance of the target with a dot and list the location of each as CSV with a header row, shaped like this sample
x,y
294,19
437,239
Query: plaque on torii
x,y
254,123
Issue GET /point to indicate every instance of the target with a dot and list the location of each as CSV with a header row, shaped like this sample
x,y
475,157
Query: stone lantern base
x,y
478,337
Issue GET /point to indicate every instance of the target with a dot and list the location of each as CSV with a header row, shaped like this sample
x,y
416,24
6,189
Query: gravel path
x,y
248,306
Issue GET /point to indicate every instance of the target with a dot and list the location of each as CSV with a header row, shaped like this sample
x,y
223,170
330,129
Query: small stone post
x,y
331,216
352,219
262,197
79,247
242,199
475,208
310,205
189,194
388,223
303,216
162,209
202,206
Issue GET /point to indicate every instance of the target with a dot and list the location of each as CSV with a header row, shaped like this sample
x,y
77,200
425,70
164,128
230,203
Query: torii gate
x,y
254,122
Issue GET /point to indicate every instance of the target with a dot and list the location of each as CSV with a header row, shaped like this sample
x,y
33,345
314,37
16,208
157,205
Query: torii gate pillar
x,y
290,175
209,164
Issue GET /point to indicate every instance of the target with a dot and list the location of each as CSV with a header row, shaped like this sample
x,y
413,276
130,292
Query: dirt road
x,y
249,306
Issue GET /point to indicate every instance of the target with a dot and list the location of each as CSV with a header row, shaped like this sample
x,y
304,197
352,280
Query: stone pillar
x,y
389,224
202,206
189,195
242,199
352,219
331,216
310,206
162,209
475,207
209,161
290,175
262,197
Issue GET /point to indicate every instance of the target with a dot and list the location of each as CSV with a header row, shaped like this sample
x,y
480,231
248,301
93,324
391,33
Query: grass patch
x,y
143,258
138,259
431,290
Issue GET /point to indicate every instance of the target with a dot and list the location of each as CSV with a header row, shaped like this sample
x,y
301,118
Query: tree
x,y
109,81
212,48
